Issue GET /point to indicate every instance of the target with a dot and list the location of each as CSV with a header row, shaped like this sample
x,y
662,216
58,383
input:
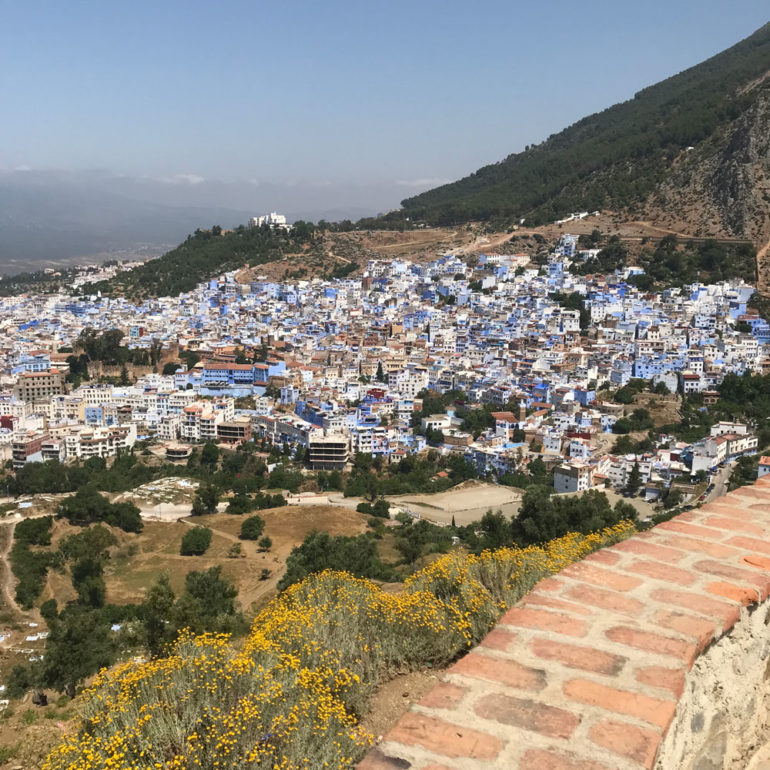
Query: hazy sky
x,y
328,91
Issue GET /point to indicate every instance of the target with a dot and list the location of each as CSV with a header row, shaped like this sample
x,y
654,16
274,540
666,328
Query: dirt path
x,y
8,580
763,279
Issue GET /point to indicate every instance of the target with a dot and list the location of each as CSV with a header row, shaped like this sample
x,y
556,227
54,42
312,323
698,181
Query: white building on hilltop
x,y
272,219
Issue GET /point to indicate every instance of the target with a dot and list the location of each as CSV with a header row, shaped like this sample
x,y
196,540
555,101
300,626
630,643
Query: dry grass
x,y
138,560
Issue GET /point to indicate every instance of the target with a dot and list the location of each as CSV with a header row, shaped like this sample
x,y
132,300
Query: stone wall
x,y
650,654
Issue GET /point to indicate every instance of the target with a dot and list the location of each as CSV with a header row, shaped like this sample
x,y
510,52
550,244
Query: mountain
x,y
49,218
692,149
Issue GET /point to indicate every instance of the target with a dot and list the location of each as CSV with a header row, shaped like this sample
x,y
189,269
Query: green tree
x,y
207,603
96,540
634,481
210,454
155,613
240,504
252,528
195,541
381,509
320,551
206,500
78,645
87,506
496,529
88,580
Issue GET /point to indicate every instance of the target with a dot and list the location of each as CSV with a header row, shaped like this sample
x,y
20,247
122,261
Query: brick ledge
x,y
586,672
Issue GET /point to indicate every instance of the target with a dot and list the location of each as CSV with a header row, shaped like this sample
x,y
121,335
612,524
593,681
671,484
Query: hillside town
x,y
342,367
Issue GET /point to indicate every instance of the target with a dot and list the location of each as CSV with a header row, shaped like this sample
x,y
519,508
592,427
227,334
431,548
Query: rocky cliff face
x,y
721,187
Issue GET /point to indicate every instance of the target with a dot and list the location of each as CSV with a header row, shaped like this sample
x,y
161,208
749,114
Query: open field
x,y
138,559
466,502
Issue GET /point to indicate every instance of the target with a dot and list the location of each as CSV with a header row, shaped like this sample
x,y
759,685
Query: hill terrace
x,y
649,654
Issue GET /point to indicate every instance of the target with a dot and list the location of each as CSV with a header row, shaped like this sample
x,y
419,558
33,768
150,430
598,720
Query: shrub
x,y
270,501
320,551
315,655
265,544
235,551
196,542
30,569
381,509
252,528
34,531
206,500
87,506
240,504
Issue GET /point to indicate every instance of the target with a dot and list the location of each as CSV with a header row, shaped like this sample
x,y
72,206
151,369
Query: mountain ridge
x,y
629,157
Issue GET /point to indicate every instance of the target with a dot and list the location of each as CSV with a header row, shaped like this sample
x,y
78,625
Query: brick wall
x,y
587,672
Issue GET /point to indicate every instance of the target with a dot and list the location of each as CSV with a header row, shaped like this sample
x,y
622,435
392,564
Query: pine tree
x,y
634,480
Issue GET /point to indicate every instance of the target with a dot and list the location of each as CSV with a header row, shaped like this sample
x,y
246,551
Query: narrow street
x,y
720,482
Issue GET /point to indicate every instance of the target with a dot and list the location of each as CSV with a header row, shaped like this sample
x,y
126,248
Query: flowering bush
x,y
292,695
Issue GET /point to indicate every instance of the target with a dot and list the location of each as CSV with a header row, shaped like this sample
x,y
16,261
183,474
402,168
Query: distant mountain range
x,y
50,218
692,151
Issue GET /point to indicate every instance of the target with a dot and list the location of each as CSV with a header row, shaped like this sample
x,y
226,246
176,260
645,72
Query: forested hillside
x,y
203,255
618,158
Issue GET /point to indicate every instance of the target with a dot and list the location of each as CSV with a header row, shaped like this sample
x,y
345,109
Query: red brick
x,y
652,642
752,577
444,738
740,594
690,529
659,571
573,656
537,599
604,556
604,578
751,544
443,696
761,562
722,508
629,741
498,639
753,492
550,584
731,524
641,548
542,759
528,715
501,670
665,678
727,614
544,620
376,760
699,546
653,710
607,600
690,625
